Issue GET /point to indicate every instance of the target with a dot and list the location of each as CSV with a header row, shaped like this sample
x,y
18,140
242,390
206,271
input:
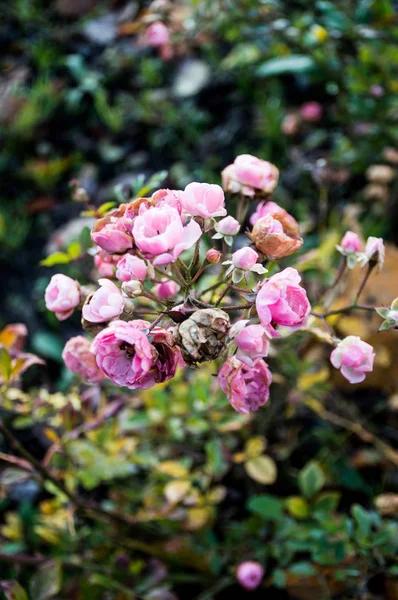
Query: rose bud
x,y
113,232
213,256
247,388
282,301
250,175
350,243
244,262
105,263
354,358
156,35
131,267
251,341
167,289
203,200
374,253
132,288
62,296
250,574
276,235
105,304
311,112
202,337
78,358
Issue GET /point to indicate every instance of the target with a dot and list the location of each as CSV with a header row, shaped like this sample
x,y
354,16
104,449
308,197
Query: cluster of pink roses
x,y
140,251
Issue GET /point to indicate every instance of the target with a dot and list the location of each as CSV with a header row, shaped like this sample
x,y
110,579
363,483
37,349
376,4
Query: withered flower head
x,y
202,336
276,235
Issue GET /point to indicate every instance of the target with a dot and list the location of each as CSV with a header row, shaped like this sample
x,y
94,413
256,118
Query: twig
x,y
343,310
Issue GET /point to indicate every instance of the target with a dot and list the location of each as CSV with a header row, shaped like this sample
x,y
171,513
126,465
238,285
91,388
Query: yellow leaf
x,y
239,457
307,380
176,490
173,469
51,435
197,518
217,494
297,507
255,446
262,469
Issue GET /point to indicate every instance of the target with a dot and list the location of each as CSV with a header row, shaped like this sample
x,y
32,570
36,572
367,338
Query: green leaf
x,y
58,258
302,569
48,345
295,63
326,503
362,519
297,507
279,578
266,506
106,207
215,459
311,479
5,364
46,582
383,312
74,250
12,590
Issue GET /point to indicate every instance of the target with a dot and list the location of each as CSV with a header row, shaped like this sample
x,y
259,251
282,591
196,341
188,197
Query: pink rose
x,y
245,258
282,301
354,358
159,233
62,296
105,304
203,200
105,263
127,356
170,197
252,342
131,267
311,112
113,235
249,175
265,208
350,242
78,358
250,574
246,388
156,35
227,226
167,289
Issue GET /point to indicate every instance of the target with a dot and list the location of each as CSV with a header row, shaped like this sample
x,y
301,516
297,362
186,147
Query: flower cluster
x,y
157,256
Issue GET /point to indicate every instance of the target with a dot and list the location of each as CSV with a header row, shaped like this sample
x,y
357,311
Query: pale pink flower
x,y
105,304
131,267
249,174
127,356
167,289
112,235
105,263
156,35
250,574
350,242
160,234
62,296
247,388
251,341
311,112
354,358
227,226
282,301
374,252
80,360
245,258
203,200
265,208
170,197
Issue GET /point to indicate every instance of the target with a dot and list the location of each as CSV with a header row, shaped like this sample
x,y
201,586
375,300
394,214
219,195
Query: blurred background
x,y
91,92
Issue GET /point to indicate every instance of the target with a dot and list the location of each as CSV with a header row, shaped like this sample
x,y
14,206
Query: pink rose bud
x,y
112,234
127,356
131,267
252,343
249,175
290,124
282,301
161,235
354,358
62,296
203,200
375,251
156,35
213,256
276,235
245,258
132,288
167,289
265,208
311,112
78,358
350,242
105,263
250,574
227,226
105,304
247,388
377,91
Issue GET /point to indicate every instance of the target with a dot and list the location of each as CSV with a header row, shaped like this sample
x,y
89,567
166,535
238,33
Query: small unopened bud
x,y
132,288
213,256
249,574
80,195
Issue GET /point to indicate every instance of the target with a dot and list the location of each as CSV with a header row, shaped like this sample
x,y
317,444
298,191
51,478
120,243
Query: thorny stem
x,y
195,259
367,274
224,293
343,310
199,272
179,275
156,321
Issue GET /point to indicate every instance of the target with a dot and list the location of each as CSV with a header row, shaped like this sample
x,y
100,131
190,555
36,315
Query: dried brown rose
x,y
202,336
276,235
